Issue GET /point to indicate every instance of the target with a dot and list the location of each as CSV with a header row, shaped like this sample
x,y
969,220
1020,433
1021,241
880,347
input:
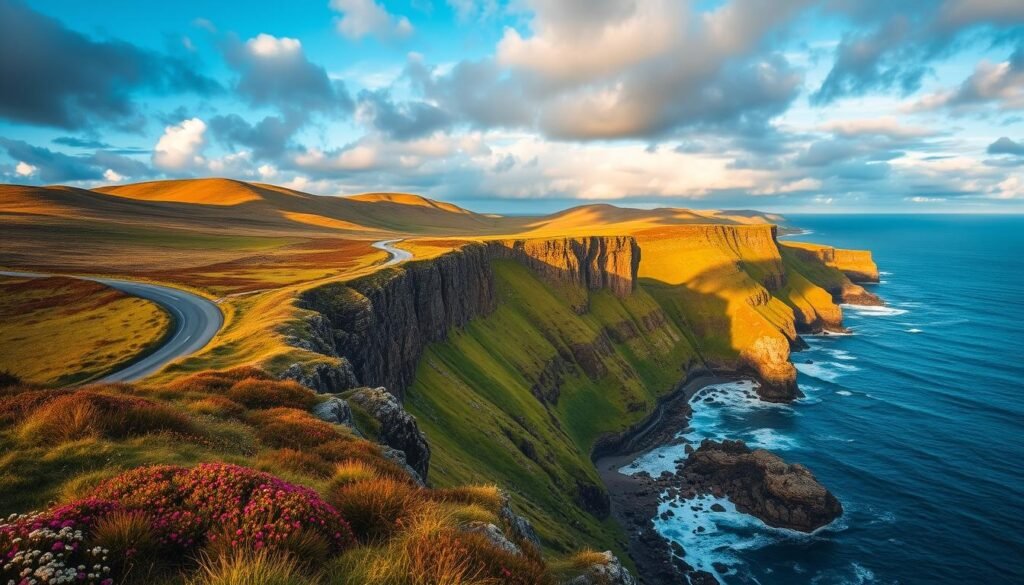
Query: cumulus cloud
x,y
360,18
997,84
54,76
1006,146
401,120
894,49
276,72
47,166
615,70
180,146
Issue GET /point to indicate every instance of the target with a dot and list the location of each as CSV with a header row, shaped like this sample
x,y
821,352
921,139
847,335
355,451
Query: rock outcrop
x,y
762,484
334,410
605,571
394,427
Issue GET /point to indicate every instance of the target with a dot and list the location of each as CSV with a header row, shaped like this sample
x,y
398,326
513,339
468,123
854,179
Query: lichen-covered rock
x,y
519,527
322,377
608,571
762,484
334,410
395,426
494,535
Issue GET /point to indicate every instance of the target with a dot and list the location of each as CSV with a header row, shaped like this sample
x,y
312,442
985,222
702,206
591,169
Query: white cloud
x,y
887,126
112,176
360,18
264,45
267,171
24,169
997,84
179,147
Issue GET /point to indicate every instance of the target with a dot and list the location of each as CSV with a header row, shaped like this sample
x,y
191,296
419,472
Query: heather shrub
x,y
248,506
296,462
292,428
15,406
8,379
218,406
213,382
255,393
375,509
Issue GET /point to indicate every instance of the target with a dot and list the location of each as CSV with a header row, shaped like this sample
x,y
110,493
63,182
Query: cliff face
x,y
593,263
380,324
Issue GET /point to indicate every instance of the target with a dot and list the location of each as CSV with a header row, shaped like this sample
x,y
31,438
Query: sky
x,y
525,106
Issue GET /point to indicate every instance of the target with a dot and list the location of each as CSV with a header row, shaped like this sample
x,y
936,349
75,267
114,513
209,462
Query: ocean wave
x,y
873,311
826,371
844,393
914,330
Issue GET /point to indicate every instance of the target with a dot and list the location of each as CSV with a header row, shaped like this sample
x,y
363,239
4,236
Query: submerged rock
x,y
762,484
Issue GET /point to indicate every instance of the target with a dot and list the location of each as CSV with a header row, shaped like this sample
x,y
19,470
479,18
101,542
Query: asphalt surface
x,y
195,321
397,254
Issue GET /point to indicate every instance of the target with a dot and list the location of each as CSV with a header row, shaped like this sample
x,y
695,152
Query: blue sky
x,y
530,105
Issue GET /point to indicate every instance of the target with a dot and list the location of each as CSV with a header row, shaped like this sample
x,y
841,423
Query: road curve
x,y
195,321
397,254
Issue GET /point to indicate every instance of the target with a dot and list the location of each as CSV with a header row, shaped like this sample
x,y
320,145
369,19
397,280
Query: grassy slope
x,y
472,398
64,330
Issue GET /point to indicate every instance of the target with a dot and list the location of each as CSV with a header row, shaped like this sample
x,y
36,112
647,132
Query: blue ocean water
x,y
915,421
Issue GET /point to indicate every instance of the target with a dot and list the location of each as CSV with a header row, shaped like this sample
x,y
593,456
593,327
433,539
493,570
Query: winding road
x,y
397,254
195,319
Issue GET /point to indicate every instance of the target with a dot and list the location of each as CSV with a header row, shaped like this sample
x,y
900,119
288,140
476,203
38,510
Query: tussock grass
x,y
251,568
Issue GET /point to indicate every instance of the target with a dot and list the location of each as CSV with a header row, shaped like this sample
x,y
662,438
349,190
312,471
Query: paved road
x,y
397,254
196,321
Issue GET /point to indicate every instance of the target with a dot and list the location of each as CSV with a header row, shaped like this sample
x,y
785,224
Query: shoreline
x,y
634,499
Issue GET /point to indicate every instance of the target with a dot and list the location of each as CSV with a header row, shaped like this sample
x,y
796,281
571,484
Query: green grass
x,y
472,398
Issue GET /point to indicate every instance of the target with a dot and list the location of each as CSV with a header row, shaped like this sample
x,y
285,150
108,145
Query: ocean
x,y
915,421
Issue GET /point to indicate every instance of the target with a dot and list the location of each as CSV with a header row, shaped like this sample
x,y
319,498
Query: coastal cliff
x,y
379,325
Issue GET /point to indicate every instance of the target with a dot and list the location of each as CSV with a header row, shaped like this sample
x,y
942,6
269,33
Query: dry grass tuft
x,y
133,545
88,413
295,461
375,509
251,568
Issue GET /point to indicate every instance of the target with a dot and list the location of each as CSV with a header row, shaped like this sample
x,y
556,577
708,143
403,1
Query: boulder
x,y
335,410
493,534
396,428
762,484
608,571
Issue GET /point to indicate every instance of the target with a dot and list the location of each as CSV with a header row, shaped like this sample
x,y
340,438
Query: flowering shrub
x,y
185,504
50,547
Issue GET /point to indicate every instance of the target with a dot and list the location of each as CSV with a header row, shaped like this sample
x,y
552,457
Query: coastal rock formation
x,y
379,325
607,570
762,484
594,263
394,427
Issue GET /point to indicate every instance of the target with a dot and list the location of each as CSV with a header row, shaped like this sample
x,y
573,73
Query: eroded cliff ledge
x,y
379,325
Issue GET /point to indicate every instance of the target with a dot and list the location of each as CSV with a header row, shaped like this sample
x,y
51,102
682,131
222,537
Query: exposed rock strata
x,y
379,325
762,484
395,427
